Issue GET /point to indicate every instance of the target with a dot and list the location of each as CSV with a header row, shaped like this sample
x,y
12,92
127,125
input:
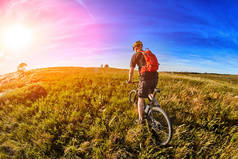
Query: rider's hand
x,y
128,81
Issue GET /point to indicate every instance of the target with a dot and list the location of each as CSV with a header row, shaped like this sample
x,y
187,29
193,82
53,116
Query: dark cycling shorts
x,y
146,87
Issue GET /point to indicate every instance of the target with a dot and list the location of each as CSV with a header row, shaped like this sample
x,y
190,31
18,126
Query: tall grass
x,y
84,113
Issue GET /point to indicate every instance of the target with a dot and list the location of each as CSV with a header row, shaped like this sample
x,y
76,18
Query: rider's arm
x,y
133,63
131,73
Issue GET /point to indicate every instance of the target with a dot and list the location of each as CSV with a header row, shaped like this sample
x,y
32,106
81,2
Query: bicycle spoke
x,y
160,126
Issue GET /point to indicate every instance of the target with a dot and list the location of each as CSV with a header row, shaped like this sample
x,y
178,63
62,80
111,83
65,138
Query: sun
x,y
17,37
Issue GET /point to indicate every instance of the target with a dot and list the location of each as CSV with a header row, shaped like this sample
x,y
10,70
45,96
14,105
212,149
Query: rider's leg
x,y
155,101
153,85
140,108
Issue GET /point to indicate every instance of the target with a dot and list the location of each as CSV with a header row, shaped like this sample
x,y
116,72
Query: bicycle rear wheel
x,y
161,125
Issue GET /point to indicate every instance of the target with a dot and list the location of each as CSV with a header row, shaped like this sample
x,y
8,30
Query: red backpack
x,y
152,64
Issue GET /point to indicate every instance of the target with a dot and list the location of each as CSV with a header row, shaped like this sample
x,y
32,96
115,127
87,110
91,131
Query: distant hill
x,y
72,112
18,79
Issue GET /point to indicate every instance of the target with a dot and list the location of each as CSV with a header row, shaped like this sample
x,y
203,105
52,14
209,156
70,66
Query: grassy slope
x,y
84,112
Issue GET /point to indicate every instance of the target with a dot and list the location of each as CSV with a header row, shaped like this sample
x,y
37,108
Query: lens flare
x,y
17,37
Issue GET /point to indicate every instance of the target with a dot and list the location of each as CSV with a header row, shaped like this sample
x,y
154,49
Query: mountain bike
x,y
158,121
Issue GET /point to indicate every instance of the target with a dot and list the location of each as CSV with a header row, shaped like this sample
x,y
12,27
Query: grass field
x,y
70,112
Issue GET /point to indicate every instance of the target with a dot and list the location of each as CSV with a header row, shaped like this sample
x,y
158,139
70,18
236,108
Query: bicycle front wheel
x,y
133,97
161,125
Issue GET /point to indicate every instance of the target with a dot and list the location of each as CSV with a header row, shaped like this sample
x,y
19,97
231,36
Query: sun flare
x,y
17,37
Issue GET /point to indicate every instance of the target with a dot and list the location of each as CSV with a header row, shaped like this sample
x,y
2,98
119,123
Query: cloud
x,y
83,5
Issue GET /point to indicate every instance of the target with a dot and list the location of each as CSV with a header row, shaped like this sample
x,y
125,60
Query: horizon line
x,y
163,71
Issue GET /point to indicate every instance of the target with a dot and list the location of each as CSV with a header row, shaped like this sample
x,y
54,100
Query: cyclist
x,y
148,66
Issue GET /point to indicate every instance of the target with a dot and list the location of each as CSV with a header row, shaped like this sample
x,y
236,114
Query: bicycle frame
x,y
151,101
154,93
149,110
149,106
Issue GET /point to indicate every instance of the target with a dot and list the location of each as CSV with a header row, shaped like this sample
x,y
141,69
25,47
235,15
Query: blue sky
x,y
186,35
